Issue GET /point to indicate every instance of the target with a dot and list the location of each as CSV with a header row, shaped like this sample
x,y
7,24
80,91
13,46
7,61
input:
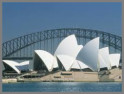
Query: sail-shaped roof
x,y
12,64
104,60
17,67
114,59
89,54
48,59
68,46
66,61
23,65
78,65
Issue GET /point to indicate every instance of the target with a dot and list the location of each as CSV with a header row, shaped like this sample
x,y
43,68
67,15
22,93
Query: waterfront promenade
x,y
61,76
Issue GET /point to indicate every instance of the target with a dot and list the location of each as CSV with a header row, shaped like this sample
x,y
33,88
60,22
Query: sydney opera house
x,y
69,56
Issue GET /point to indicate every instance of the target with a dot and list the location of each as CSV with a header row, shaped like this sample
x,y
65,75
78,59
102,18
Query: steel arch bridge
x,y
22,48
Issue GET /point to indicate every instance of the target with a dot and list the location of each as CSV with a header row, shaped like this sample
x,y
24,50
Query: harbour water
x,y
63,87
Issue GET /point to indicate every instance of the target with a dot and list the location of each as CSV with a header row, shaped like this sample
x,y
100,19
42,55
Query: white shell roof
x,y
14,64
75,65
55,64
72,55
89,54
78,65
114,59
79,47
68,46
66,61
24,63
102,63
47,59
104,60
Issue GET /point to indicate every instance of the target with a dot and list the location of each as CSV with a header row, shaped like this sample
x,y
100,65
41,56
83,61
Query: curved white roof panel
x,y
114,59
68,46
89,54
66,61
55,63
104,60
102,63
75,65
78,65
82,65
47,58
12,64
17,66
23,65
11,61
78,49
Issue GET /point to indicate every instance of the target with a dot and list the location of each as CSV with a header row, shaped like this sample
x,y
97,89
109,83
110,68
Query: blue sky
x,y
24,18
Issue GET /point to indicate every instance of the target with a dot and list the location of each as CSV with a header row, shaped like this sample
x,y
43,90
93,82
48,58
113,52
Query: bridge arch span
x,y
49,39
